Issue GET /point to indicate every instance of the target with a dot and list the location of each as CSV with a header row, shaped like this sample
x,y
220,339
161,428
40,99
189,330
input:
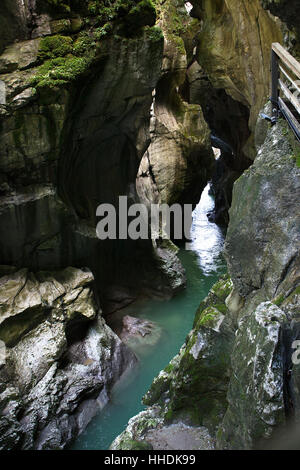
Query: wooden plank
x,y
289,78
290,115
289,95
287,58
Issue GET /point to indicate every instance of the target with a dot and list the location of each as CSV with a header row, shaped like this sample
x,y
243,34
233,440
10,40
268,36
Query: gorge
x,y
102,99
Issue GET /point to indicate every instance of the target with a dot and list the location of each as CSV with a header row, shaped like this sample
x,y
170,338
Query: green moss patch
x,y
130,444
278,300
215,299
85,44
54,46
60,71
142,14
208,317
296,157
132,17
65,58
129,16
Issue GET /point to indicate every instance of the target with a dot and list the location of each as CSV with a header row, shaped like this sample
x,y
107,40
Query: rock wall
x,y
288,12
234,50
269,289
235,375
178,162
60,359
74,127
228,75
14,15
73,131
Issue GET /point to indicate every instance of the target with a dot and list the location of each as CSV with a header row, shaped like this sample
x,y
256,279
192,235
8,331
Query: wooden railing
x,y
285,87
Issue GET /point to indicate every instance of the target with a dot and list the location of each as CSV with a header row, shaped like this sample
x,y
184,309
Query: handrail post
x,y
275,83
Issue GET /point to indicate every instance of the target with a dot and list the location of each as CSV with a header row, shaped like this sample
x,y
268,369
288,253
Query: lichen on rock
x,y
256,385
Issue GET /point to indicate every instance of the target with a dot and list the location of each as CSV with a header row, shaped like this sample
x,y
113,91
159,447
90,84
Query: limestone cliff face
x,y
101,104
73,131
269,289
228,75
60,358
13,24
75,126
178,162
271,191
234,50
235,374
288,12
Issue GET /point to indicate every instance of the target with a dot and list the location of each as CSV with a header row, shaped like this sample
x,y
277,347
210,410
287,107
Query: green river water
x,y
204,264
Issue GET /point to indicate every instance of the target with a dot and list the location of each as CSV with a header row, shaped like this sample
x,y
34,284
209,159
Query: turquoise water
x,y
204,264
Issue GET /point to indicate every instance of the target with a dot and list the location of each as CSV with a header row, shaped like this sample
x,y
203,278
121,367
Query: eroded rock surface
x,y
256,384
180,437
262,243
74,128
234,50
92,101
61,359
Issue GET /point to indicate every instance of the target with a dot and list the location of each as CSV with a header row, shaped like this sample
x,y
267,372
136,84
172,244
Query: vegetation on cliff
x,y
66,58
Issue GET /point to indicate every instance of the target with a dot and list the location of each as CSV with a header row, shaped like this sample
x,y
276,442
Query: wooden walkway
x,y
285,87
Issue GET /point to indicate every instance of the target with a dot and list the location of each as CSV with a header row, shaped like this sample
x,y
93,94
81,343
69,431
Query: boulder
x,y
138,333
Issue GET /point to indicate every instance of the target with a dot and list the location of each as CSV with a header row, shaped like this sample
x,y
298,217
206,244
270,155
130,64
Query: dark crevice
x,y
285,271
228,122
77,330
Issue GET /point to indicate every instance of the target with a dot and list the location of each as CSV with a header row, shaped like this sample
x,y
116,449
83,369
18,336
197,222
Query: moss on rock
x,y
65,58
58,72
133,436
54,46
131,444
208,316
215,299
